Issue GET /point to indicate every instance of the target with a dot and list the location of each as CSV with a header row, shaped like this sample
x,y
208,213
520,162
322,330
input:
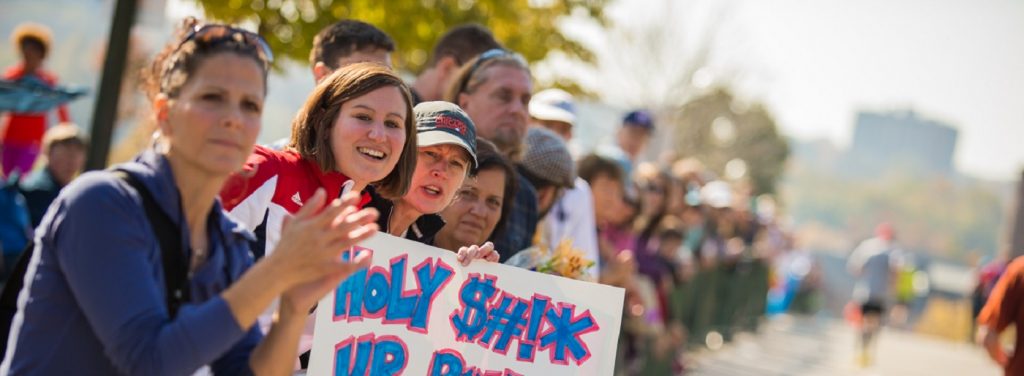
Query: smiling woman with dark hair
x,y
355,130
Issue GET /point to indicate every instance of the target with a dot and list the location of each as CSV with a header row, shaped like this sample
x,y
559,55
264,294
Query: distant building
x,y
818,155
900,141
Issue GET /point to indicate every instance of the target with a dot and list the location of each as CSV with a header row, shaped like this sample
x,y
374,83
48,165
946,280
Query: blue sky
x,y
814,63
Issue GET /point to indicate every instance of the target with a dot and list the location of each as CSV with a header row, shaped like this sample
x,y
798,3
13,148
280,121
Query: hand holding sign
x,y
474,252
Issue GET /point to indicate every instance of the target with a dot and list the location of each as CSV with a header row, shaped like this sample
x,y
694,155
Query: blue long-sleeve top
x,y
94,297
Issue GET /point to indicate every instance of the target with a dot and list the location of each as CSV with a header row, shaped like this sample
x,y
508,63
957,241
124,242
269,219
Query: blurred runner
x,y
873,264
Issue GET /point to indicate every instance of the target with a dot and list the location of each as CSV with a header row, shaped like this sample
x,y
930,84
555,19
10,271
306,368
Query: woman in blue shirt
x,y
95,300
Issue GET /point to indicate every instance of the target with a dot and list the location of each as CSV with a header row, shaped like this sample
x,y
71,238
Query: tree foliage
x,y
526,26
932,215
716,129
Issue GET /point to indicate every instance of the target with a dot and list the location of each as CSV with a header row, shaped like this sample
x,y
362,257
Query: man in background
x,y
572,216
494,89
344,43
455,48
548,166
630,141
348,42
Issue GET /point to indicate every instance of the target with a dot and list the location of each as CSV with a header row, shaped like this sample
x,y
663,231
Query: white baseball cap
x,y
553,104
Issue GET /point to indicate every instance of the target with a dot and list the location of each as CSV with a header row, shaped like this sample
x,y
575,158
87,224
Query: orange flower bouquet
x,y
563,261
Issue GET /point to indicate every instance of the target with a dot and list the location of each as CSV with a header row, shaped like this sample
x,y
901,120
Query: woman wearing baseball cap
x,y
446,142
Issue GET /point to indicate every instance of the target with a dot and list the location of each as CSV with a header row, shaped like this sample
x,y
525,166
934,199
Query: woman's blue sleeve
x,y
111,261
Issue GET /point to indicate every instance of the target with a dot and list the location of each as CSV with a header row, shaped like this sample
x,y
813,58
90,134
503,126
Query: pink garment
x,y
19,158
621,237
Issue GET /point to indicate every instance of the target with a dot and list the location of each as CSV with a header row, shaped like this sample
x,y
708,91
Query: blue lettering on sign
x,y
565,334
506,321
527,344
370,355
493,319
448,362
469,320
380,293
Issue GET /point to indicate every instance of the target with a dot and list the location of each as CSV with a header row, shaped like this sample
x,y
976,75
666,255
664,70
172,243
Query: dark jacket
x,y
521,223
423,230
39,189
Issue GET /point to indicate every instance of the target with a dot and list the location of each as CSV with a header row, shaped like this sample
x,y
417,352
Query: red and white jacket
x,y
272,185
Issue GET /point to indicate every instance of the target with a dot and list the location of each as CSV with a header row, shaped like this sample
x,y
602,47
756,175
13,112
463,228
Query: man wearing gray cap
x,y
548,166
572,216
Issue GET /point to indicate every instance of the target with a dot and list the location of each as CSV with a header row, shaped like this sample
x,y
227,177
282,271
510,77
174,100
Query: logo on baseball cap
x,y
439,123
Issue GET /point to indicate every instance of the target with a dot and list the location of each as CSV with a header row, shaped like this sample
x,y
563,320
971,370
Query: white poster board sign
x,y
417,311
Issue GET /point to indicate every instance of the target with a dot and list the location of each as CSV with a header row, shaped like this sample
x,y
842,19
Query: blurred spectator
x,y
620,271
667,264
455,48
65,148
15,223
717,195
653,185
572,216
348,42
548,166
630,141
795,283
23,133
555,110
675,196
605,179
343,43
693,222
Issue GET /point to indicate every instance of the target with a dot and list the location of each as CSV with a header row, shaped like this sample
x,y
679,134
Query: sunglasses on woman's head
x,y
211,34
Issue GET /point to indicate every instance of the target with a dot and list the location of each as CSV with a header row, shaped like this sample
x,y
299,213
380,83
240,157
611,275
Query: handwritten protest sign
x,y
417,311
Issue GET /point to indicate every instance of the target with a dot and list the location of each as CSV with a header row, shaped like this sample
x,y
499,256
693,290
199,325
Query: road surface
x,y
817,346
